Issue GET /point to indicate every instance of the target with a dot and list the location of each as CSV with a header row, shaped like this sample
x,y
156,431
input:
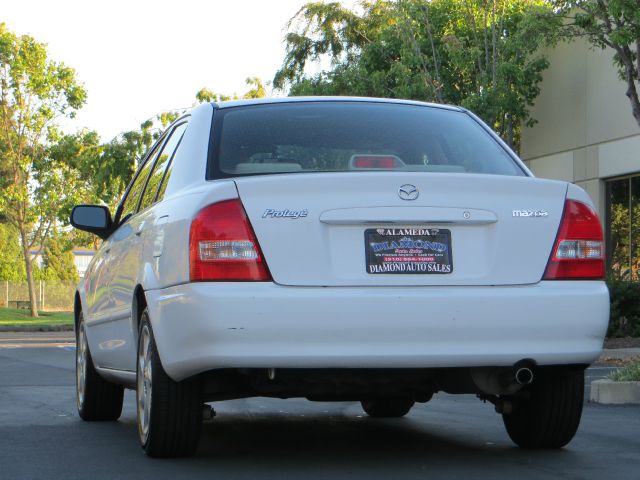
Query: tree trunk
x,y
486,45
632,92
493,42
509,130
28,264
626,57
436,61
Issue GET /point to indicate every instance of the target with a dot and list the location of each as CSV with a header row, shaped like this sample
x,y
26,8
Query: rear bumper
x,y
202,326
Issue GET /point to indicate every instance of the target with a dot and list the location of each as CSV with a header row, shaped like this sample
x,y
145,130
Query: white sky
x,y
137,58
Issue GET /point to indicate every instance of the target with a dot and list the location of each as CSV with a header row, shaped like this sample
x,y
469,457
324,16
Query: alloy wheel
x,y
82,350
144,383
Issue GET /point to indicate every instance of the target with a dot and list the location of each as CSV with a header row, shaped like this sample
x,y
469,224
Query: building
x,y
586,134
81,257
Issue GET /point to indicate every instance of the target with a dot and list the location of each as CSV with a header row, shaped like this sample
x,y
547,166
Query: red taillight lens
x,y
223,246
578,253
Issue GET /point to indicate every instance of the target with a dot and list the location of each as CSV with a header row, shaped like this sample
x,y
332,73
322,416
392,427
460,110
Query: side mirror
x,y
94,219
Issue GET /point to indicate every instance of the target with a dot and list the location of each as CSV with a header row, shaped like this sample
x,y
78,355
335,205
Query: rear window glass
x,y
351,136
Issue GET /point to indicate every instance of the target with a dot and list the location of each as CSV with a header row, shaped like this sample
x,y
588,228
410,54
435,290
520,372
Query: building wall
x,y
82,260
585,131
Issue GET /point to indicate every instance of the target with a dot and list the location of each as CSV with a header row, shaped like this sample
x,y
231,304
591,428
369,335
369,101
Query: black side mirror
x,y
94,219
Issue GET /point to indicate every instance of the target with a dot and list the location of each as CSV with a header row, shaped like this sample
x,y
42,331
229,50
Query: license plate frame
x,y
408,251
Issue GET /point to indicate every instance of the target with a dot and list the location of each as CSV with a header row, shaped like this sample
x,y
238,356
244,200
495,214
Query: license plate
x,y
408,250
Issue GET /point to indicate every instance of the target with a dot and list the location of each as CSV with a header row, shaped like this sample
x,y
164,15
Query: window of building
x,y
623,228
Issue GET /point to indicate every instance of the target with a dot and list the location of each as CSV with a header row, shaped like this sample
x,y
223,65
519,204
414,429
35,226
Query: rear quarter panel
x,y
166,250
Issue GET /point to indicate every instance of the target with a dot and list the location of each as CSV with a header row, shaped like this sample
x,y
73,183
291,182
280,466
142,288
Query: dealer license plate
x,y
408,250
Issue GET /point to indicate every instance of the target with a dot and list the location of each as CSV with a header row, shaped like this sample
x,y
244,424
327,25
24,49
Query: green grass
x,y
628,373
14,317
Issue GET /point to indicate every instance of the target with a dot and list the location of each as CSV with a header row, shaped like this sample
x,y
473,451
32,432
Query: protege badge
x,y
271,213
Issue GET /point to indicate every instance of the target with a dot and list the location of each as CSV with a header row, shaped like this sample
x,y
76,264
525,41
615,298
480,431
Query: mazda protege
x,y
339,249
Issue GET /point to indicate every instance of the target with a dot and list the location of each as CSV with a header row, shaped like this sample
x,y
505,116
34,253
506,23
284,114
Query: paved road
x,y
450,437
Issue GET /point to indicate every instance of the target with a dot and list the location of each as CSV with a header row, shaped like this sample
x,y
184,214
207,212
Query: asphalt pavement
x,y
41,435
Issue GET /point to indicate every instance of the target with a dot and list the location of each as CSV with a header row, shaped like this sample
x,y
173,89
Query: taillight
x,y
223,246
374,161
578,253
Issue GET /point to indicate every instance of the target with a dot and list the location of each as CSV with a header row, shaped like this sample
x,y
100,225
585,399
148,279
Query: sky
x,y
137,58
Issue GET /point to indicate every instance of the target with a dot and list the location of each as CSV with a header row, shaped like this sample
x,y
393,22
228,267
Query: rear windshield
x,y
351,136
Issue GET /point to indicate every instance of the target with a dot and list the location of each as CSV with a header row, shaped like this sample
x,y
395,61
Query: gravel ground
x,y
626,342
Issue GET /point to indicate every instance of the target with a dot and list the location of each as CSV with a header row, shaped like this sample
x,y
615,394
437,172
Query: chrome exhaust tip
x,y
524,376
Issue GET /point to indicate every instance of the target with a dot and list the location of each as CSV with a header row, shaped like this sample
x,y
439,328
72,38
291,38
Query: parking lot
x,y
453,437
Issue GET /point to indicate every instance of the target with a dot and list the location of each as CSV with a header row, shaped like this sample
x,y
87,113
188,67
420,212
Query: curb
x,y
610,392
39,328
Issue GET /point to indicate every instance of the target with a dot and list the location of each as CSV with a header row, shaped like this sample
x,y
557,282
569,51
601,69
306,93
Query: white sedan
x,y
339,249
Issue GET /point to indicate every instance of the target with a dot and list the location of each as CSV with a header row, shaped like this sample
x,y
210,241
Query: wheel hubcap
x,y
81,365
143,391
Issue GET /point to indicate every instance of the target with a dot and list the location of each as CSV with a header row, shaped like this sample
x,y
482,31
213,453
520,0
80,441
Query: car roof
x,y
269,101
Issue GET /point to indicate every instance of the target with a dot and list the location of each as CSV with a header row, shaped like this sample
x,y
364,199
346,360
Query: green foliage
x,y
614,24
483,55
628,373
108,168
625,308
119,160
167,118
99,171
11,268
34,92
205,95
43,172
257,90
625,258
38,273
80,156
58,260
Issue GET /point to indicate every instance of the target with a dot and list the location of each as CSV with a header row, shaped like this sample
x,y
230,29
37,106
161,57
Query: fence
x,y
50,296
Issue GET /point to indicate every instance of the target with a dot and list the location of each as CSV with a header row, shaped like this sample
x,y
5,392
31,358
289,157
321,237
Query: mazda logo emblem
x,y
408,192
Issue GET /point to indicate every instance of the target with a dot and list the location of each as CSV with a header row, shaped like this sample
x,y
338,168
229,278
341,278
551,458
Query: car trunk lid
x,y
345,229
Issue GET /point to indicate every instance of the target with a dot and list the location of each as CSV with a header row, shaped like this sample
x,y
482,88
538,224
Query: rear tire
x,y
551,416
96,398
387,407
169,412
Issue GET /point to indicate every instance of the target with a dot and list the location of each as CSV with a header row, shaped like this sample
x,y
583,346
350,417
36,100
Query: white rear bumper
x,y
201,326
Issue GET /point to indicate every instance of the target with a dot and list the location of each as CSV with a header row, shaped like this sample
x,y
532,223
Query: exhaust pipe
x,y
524,376
503,380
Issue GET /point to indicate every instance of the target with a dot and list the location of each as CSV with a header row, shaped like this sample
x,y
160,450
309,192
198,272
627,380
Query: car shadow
x,y
334,440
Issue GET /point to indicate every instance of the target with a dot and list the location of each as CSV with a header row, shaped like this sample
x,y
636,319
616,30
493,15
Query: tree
x,y
10,253
115,161
111,165
481,54
102,171
58,262
614,24
257,90
34,92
